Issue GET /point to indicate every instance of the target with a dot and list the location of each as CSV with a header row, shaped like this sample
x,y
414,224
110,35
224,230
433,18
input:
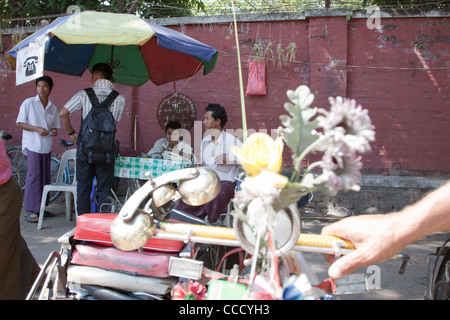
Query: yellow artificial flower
x,y
268,178
260,153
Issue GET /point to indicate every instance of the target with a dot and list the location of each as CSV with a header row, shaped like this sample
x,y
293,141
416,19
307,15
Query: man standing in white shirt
x,y
39,119
216,154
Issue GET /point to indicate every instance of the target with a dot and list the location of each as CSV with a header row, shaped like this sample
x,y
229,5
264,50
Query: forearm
x,y
27,127
65,120
427,216
380,236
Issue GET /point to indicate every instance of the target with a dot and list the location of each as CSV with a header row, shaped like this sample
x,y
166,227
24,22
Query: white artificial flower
x,y
340,173
347,126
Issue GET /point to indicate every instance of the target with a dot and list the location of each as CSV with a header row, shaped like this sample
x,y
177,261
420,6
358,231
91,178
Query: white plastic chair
x,y
60,185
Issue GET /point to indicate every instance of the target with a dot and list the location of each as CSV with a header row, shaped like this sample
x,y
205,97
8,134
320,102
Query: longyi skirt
x,y
17,264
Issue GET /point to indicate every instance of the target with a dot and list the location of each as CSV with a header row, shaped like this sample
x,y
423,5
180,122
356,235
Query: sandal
x,y
31,217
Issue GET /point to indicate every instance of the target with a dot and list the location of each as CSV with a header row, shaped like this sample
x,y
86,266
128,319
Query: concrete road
x,y
43,242
393,286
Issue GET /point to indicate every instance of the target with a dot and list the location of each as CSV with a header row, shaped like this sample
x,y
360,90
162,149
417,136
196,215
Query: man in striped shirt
x,y
104,173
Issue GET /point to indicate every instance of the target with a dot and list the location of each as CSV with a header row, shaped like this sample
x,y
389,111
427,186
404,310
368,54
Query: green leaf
x,y
299,126
288,195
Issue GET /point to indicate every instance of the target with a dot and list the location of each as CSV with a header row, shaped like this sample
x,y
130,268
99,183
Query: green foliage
x,y
13,9
219,7
10,10
168,8
34,8
405,3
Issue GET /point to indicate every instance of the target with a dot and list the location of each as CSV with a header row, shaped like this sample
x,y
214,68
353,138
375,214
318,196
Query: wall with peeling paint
x,y
399,72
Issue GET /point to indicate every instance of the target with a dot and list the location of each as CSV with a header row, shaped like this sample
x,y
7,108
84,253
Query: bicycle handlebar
x,y
6,136
65,143
219,235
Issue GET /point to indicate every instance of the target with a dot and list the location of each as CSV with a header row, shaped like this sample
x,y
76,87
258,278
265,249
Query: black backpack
x,y
98,131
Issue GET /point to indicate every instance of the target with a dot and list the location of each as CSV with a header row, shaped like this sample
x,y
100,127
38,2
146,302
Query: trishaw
x,y
151,251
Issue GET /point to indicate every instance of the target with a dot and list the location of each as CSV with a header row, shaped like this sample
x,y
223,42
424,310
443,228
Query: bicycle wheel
x,y
69,172
19,164
442,282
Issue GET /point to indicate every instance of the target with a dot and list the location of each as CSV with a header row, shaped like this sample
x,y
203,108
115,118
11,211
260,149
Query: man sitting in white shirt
x,y
171,143
216,154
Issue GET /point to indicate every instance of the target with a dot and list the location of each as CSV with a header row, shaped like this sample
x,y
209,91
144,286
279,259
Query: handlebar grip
x,y
311,240
316,240
6,136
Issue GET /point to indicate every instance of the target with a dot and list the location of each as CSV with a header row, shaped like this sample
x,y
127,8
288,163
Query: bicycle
x,y
18,161
438,277
20,165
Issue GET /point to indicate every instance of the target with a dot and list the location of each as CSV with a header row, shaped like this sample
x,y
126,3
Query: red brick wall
x,y
410,107
381,69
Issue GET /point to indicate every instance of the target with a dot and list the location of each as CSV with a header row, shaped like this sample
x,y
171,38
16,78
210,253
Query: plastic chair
x,y
60,185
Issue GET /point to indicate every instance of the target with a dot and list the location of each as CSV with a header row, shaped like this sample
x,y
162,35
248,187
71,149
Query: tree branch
x,y
119,2
133,5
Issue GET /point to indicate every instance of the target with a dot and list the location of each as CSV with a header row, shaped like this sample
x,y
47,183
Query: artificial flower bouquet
x,y
341,134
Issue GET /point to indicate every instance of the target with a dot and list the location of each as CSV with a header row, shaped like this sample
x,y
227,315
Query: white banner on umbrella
x,y
30,61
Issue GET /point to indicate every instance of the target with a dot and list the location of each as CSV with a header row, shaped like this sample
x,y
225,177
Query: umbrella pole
x,y
135,132
112,56
241,85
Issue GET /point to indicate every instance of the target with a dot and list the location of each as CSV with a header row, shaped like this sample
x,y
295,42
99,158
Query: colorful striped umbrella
x,y
137,49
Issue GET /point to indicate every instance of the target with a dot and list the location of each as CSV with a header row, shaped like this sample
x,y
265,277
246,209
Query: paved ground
x,y
394,286
409,286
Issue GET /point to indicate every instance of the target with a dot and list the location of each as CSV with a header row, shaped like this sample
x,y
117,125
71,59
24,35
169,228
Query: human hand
x,y
374,237
41,131
175,149
74,137
221,159
53,132
172,144
168,149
